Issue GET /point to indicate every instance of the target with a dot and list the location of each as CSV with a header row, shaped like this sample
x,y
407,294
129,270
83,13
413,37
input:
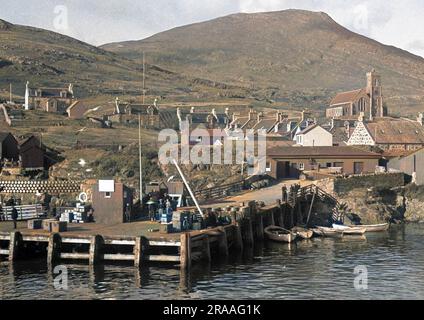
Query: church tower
x,y
375,92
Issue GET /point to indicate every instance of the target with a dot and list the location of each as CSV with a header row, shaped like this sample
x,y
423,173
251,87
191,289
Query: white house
x,y
314,136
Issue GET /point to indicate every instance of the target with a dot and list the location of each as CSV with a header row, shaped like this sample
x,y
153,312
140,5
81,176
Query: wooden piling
x,y
96,243
247,232
223,243
185,251
206,249
138,252
259,227
281,216
238,238
53,249
14,245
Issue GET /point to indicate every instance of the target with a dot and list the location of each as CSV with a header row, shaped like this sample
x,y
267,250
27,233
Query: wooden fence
x,y
220,191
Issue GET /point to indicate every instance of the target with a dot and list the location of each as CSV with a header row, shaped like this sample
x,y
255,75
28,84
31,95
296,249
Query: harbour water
x,y
322,268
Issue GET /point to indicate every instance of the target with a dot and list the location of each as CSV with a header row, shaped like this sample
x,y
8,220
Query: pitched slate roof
x,y
315,152
400,131
51,92
346,97
307,129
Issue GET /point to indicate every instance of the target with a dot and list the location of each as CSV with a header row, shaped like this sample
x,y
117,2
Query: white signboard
x,y
106,186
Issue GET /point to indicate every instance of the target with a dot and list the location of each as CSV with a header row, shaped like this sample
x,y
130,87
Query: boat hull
x,y
279,234
375,227
303,233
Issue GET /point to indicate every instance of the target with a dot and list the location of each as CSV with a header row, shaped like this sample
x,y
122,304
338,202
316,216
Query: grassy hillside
x,y
48,58
296,56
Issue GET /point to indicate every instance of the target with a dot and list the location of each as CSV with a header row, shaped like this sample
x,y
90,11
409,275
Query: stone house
x,y
314,136
55,100
389,134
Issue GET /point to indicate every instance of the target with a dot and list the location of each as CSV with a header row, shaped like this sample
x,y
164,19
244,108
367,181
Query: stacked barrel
x,y
39,186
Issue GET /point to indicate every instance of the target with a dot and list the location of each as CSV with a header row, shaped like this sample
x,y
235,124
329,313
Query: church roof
x,y
346,97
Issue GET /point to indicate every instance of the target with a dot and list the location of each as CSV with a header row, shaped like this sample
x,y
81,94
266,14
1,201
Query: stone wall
x,y
342,185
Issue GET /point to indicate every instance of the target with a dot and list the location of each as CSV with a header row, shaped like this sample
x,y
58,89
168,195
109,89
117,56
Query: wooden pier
x,y
95,245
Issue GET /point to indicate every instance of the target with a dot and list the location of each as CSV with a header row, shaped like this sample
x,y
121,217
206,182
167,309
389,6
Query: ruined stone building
x,y
149,114
48,99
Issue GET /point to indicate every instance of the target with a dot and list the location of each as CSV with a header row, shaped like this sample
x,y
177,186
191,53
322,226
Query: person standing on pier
x,y
14,217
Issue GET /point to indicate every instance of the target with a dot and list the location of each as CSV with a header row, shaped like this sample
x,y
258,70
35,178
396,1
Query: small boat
x,y
331,232
303,233
279,234
375,227
318,232
346,230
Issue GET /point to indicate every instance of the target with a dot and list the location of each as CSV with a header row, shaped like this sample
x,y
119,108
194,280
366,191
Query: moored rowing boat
x,y
374,227
303,233
279,234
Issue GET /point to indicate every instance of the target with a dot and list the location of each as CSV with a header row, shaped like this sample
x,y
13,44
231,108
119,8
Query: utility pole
x,y
144,79
10,92
141,165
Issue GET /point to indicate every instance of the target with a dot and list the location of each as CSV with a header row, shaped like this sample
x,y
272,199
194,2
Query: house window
x,y
108,195
268,167
301,166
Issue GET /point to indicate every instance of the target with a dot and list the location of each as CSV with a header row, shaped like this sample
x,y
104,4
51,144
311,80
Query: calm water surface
x,y
316,269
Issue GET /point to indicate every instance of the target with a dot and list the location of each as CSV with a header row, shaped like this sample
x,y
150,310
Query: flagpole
x,y
139,154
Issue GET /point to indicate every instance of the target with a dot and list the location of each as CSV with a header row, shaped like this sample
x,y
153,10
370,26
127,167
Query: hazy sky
x,y
396,22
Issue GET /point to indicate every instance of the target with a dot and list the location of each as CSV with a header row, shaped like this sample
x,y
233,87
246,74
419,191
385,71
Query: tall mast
x,y
139,154
144,78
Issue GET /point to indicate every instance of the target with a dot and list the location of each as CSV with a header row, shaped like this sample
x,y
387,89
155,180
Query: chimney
x,y
251,114
420,118
347,128
260,116
179,114
214,113
117,111
304,114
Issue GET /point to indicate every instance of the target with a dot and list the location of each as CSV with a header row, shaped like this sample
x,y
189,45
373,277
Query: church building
x,y
367,101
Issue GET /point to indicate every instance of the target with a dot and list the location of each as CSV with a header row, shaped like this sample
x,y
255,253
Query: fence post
x,y
14,245
53,249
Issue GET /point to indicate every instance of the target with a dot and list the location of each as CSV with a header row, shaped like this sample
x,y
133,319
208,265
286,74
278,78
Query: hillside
x,y
48,58
284,55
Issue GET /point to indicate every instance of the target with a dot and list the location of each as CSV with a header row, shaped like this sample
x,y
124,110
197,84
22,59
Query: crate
x,y
166,228
59,226
35,224
47,225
